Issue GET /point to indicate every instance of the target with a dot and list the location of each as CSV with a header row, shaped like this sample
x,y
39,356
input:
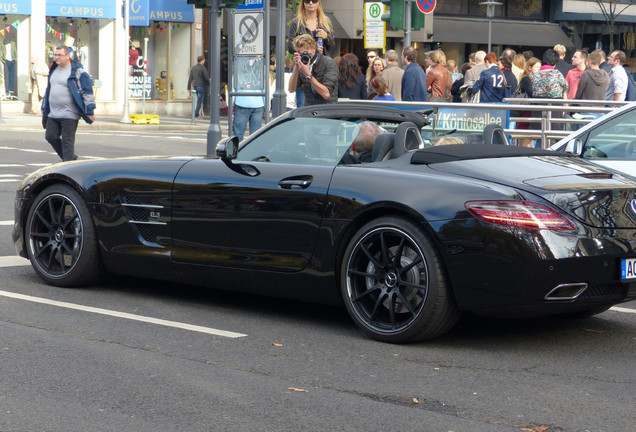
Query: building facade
x,y
163,38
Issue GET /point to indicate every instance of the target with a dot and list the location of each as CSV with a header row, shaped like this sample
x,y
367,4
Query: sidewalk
x,y
12,120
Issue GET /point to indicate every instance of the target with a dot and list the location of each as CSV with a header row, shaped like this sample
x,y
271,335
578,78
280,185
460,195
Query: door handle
x,y
301,182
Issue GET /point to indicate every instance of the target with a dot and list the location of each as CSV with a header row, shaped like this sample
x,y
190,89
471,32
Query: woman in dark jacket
x,y
525,86
351,83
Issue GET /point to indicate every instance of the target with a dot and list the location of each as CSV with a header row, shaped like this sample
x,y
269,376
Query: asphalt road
x,y
138,355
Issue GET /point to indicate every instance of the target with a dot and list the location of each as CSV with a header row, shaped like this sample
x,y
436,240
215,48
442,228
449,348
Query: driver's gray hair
x,y
368,131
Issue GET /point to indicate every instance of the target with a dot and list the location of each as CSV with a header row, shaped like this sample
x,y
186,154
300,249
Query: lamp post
x,y
490,13
125,118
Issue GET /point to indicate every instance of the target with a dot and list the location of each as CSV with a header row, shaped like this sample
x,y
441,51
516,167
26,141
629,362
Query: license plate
x,y
628,268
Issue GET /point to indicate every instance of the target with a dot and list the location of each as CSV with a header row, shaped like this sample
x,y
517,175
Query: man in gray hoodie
x,y
594,81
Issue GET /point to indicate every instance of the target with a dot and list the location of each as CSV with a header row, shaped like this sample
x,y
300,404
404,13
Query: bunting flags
x,y
7,29
73,33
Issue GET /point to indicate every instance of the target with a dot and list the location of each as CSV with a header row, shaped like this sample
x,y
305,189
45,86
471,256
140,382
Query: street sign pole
x,y
407,22
214,30
125,118
279,103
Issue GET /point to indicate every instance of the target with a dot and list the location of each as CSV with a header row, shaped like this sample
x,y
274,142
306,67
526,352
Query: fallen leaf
x,y
537,429
416,400
593,331
297,389
277,344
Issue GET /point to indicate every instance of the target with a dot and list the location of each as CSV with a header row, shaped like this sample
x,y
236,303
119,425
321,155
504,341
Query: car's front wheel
x,y
394,285
61,239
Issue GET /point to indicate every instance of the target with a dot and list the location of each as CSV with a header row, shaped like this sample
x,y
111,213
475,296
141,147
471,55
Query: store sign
x,y
139,13
16,7
81,8
171,10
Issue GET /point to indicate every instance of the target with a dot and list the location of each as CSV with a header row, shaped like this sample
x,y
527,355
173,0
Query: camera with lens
x,y
305,57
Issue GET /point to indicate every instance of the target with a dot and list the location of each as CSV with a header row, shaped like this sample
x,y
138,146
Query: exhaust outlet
x,y
569,291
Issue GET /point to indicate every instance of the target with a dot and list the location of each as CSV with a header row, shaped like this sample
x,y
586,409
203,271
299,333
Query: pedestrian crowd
x,y
313,77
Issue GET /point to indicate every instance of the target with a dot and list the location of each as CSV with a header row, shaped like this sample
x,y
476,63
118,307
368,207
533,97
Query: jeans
x,y
9,76
300,97
200,95
60,133
244,115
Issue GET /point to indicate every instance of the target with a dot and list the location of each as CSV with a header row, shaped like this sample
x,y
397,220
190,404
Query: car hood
x,y
593,195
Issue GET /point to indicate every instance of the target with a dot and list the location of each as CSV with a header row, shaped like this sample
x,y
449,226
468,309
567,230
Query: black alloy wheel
x,y
61,239
394,285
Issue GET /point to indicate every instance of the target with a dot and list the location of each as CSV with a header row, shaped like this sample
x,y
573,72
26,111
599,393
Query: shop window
x,y
168,61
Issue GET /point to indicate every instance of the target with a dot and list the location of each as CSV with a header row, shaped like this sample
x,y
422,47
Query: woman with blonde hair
x,y
374,70
311,20
439,79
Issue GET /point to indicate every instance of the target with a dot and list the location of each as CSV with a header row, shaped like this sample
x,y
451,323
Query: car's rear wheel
x,y
61,239
394,285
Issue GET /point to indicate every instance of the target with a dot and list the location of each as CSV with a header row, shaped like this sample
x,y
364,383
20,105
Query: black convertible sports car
x,y
406,241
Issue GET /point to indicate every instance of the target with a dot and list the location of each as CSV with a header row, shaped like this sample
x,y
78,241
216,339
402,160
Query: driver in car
x,y
362,145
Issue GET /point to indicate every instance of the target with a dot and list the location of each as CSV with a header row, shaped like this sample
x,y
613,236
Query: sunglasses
x,y
371,56
311,1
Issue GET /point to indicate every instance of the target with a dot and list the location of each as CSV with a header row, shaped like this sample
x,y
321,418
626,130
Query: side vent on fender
x,y
146,217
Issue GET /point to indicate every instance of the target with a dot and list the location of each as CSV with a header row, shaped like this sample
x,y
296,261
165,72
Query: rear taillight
x,y
520,214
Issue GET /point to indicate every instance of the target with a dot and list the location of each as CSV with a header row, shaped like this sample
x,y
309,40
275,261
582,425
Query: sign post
x,y
250,49
374,27
426,6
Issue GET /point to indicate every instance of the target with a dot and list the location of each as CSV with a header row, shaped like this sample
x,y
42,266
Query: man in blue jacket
x,y
69,96
414,78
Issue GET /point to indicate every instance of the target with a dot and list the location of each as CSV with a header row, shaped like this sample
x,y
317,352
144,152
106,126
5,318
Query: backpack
x,y
630,95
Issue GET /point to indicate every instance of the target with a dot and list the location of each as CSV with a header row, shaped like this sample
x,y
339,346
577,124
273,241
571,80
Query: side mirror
x,y
227,149
574,146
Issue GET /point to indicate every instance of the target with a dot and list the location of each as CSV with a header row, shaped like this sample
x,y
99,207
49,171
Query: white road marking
x,y
11,165
6,222
123,315
13,261
10,175
622,309
34,151
10,180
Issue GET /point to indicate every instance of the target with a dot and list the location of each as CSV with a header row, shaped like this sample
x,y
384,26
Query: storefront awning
x,y
507,33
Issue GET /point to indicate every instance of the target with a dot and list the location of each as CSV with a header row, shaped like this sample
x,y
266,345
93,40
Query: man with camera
x,y
316,72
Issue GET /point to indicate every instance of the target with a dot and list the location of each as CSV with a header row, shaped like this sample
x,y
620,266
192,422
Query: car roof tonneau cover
x,y
457,152
362,111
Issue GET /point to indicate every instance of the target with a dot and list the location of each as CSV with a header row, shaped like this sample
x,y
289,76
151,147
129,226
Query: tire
x,y
61,238
396,300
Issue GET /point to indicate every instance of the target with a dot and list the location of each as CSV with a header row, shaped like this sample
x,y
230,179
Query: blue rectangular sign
x,y
82,8
15,7
171,10
139,13
470,118
252,4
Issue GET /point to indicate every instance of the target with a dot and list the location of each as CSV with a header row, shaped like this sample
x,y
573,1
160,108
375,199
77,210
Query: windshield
x,y
614,139
309,141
